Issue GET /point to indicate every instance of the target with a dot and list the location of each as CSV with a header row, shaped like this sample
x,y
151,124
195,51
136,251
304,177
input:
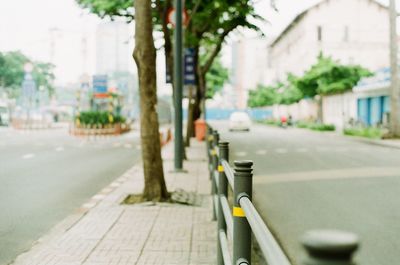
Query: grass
x,y
368,132
316,126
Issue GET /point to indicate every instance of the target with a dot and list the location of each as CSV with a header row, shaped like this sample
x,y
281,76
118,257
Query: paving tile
x,y
142,234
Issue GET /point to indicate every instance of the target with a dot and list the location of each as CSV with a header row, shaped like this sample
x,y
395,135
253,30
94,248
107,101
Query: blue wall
x,y
372,110
223,114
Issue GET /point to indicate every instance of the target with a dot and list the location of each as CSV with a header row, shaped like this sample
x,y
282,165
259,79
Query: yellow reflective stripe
x,y
213,152
210,138
238,212
220,168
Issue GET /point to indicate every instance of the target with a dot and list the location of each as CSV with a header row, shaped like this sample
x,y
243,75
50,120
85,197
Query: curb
x,y
382,143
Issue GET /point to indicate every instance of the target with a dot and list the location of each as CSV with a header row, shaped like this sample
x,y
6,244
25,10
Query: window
x,y
346,34
319,33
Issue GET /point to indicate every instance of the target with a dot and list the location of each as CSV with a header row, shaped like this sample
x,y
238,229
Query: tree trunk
x,y
190,121
145,58
394,97
320,111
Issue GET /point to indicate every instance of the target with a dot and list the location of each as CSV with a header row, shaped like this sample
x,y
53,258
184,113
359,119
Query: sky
x,y
26,25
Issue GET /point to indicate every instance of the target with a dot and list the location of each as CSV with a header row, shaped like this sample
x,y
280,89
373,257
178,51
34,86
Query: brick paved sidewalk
x,y
111,233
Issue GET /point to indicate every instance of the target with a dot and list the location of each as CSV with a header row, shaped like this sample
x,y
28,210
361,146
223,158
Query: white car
x,y
239,121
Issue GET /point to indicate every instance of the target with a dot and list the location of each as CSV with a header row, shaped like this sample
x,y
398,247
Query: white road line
x,y
28,156
117,144
281,150
240,153
128,146
261,152
59,149
98,197
301,150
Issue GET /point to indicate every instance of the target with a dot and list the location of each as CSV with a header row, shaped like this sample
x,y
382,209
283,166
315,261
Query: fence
x,y
324,247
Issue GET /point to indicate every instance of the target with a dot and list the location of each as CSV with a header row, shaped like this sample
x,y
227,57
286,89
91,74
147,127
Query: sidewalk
x,y
106,232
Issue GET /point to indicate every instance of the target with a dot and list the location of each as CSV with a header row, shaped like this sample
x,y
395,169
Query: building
x,y
249,64
351,31
114,45
112,48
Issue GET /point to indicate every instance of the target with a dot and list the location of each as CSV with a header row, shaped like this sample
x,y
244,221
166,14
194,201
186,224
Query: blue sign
x,y
189,67
100,84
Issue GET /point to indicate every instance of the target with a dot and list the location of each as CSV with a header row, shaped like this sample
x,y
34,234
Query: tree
x,y
145,58
328,77
210,22
280,93
263,96
216,77
12,73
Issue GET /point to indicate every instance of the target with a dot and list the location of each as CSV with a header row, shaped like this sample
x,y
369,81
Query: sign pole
x,y
178,80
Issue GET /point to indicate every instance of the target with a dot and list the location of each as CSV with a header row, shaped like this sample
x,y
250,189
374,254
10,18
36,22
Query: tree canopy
x,y
12,73
216,78
328,76
325,77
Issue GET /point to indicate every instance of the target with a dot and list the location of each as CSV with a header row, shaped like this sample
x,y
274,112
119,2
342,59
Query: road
x,y
306,180
47,175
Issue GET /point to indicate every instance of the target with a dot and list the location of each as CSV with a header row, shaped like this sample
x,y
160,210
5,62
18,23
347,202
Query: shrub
x,y
98,118
368,132
316,126
322,127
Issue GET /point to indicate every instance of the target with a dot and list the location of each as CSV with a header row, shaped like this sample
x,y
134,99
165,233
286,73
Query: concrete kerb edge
x,y
347,137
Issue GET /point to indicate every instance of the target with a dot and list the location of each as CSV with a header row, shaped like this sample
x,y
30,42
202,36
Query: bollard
x,y
222,191
329,247
243,183
214,168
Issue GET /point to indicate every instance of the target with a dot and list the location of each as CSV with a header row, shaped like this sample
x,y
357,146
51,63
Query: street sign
x,y
171,17
189,67
100,86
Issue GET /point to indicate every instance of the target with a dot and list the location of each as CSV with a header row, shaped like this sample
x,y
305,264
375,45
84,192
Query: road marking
x,y
341,149
128,146
240,153
281,150
301,150
138,147
28,156
117,144
261,152
115,184
59,149
322,149
88,205
98,197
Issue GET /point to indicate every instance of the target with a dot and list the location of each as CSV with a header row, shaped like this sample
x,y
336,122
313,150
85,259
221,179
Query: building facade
x,y
351,31
249,64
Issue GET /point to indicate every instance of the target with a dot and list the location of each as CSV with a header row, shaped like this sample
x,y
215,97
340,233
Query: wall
x,y
306,109
339,109
366,43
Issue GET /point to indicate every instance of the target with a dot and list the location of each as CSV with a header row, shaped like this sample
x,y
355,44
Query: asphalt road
x,y
306,180
47,175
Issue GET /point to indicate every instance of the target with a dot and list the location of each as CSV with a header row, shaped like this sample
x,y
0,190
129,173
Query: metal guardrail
x,y
239,222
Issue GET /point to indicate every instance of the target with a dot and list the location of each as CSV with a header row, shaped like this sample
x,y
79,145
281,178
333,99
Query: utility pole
x,y
178,79
394,97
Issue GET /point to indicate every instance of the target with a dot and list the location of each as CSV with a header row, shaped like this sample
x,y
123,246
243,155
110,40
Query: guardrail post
x,y
243,183
222,191
330,247
209,142
214,168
